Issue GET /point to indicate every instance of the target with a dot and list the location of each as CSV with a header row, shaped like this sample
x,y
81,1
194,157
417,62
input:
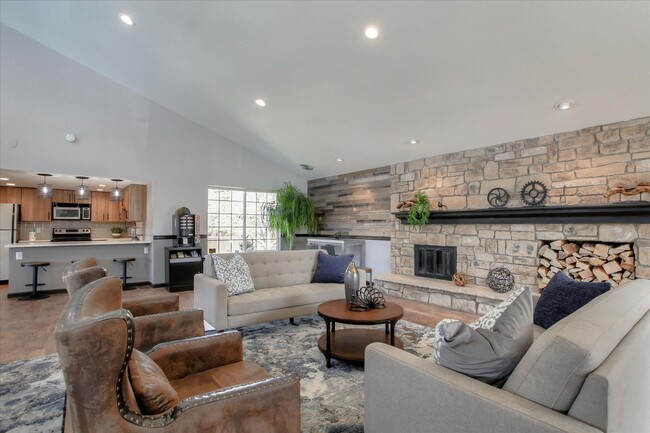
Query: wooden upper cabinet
x,y
66,196
102,209
135,203
62,196
10,194
34,208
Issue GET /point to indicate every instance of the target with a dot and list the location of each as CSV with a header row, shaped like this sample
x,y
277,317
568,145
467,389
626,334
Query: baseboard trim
x,y
4,281
159,285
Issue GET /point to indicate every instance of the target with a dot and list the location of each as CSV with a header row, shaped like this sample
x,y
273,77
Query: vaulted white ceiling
x,y
453,75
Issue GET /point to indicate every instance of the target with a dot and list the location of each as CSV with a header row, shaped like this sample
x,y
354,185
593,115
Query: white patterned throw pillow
x,y
235,273
438,338
488,320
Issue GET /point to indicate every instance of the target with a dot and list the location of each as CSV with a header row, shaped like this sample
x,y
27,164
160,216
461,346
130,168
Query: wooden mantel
x,y
619,213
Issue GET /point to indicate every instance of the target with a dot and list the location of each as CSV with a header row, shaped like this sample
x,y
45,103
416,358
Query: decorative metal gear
x,y
534,193
498,197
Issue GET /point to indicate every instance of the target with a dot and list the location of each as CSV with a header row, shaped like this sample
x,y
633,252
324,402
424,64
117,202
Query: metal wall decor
x,y
500,280
367,297
534,193
498,197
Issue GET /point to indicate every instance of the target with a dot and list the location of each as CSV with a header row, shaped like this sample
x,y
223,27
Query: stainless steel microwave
x,y
70,211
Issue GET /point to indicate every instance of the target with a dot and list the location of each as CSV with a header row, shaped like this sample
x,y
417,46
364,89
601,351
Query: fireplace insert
x,y
432,261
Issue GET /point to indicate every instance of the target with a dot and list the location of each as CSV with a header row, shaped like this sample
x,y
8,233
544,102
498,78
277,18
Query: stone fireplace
x,y
577,167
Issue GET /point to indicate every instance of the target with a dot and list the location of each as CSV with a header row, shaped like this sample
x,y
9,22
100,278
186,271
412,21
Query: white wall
x,y
44,95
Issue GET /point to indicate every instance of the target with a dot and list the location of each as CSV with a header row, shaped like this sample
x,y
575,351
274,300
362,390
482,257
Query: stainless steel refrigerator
x,y
9,214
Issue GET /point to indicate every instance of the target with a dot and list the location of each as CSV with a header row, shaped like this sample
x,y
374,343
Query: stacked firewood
x,y
588,261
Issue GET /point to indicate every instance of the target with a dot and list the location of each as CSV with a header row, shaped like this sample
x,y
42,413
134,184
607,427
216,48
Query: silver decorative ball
x,y
500,280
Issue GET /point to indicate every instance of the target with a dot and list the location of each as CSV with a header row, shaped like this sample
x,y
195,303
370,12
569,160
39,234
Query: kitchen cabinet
x,y
10,194
65,196
135,203
102,209
34,208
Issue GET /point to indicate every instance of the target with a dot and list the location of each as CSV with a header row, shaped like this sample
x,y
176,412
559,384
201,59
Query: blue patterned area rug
x,y
32,392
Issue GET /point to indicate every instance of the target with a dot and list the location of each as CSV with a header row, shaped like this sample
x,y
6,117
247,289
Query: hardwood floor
x,y
27,328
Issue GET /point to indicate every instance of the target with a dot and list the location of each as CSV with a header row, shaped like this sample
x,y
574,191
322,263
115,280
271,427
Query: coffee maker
x,y
184,228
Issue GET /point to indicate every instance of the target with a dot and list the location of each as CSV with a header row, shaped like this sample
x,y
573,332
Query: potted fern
x,y
419,212
292,210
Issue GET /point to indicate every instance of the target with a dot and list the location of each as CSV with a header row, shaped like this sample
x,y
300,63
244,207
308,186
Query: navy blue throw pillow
x,y
330,269
562,296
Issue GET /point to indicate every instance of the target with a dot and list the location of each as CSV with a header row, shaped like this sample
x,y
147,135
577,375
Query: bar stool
x,y
34,284
124,261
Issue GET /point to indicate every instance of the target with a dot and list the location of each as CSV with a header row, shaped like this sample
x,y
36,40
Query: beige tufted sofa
x,y
283,289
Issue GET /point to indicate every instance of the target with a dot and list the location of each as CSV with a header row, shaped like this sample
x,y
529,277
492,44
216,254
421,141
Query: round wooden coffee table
x,y
349,344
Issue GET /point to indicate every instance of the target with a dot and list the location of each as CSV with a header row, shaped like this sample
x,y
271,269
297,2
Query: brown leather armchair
x,y
79,273
201,384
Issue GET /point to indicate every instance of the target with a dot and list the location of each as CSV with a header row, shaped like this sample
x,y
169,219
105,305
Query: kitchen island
x,y
60,254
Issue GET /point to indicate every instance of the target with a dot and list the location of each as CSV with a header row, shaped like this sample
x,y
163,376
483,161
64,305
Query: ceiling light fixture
x,y
127,19
4,178
260,102
565,105
339,159
306,167
99,189
371,32
102,185
10,184
81,191
117,193
44,190
413,141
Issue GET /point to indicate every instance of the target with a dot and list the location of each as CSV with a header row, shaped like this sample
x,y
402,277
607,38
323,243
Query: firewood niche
x,y
587,261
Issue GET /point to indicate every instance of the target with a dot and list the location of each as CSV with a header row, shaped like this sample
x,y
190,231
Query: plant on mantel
x,y
419,211
292,209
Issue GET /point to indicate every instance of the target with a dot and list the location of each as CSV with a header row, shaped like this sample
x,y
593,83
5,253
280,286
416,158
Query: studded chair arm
x,y
153,329
181,358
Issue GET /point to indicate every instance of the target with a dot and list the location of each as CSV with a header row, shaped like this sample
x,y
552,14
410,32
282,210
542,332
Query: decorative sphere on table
x,y
500,280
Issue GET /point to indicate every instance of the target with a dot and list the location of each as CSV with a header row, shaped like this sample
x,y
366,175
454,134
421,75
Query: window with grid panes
x,y
236,221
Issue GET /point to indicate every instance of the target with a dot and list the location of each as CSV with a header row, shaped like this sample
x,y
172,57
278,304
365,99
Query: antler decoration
x,y
367,297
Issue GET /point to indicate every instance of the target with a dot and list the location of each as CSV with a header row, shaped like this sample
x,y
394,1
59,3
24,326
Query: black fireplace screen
x,y
435,262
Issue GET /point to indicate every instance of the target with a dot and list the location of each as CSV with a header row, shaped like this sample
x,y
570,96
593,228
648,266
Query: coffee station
x,y
184,259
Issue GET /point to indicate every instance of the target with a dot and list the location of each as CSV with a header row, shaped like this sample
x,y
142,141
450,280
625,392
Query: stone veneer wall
x,y
355,204
578,167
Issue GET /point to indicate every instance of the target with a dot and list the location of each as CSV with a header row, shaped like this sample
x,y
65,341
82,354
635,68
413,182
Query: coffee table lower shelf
x,y
350,344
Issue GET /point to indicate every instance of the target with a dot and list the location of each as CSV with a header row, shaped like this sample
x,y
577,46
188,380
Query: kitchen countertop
x,y
94,242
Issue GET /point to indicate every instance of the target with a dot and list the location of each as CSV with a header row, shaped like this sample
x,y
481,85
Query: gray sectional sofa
x,y
283,289
590,372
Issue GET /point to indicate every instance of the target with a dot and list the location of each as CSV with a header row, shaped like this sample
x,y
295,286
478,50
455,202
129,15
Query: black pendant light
x,y
81,191
117,193
44,190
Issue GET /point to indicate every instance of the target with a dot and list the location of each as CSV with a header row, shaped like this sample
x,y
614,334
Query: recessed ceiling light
x,y
565,105
306,167
260,102
10,184
413,141
4,178
371,32
99,189
339,159
102,185
127,19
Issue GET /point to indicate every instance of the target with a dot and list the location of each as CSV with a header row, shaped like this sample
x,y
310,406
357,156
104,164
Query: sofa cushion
x,y
152,390
562,296
283,297
235,273
331,269
489,319
488,355
555,367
